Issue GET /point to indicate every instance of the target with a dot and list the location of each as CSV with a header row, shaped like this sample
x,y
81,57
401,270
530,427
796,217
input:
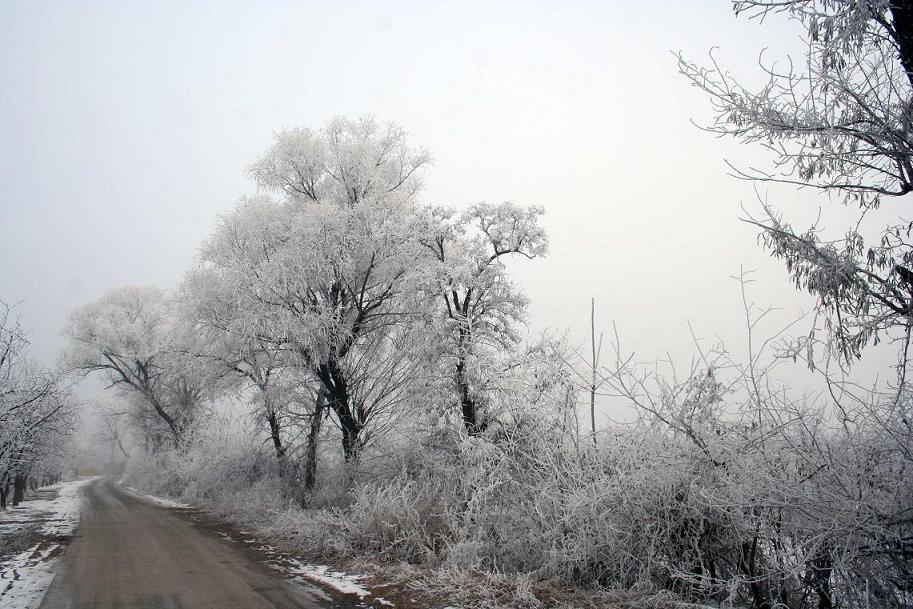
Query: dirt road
x,y
132,554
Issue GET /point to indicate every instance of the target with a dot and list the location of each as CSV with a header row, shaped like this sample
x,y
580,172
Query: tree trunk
x,y
4,493
593,366
337,391
748,566
902,22
272,418
351,432
120,445
820,569
147,390
19,485
310,465
468,405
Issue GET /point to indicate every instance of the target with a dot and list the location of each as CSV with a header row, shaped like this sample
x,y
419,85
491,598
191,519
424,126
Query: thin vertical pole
x,y
593,368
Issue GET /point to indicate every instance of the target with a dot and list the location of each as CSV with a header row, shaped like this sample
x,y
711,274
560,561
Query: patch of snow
x,y
25,577
65,509
160,501
342,582
59,515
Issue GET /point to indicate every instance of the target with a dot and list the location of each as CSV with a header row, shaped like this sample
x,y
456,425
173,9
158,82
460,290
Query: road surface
x,y
128,553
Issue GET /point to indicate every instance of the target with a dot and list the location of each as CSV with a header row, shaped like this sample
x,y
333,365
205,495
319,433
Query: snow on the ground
x,y
161,501
24,577
56,508
342,582
346,583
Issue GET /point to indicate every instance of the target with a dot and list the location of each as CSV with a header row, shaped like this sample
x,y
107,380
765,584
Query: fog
x,y
127,131
368,383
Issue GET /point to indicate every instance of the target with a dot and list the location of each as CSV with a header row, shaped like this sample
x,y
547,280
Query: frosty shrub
x,y
705,497
225,467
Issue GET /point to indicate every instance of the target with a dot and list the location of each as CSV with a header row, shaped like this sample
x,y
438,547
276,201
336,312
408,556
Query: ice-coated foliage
x,y
239,356
131,337
329,286
126,323
346,163
467,266
837,119
314,277
477,309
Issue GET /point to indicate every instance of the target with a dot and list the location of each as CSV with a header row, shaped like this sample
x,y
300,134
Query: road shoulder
x,y
33,535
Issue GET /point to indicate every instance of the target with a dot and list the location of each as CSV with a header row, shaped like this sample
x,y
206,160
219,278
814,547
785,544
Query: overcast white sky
x,y
126,128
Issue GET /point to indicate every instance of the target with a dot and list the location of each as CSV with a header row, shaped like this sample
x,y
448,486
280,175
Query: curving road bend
x,y
130,553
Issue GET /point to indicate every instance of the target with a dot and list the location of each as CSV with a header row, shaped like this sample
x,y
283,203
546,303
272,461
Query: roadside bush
x,y
705,498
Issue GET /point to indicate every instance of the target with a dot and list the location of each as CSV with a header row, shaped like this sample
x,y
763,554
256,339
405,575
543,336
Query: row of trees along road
x,y
37,412
334,294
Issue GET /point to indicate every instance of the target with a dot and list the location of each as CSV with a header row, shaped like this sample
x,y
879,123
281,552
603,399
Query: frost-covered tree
x,y
112,428
130,336
322,274
322,282
838,120
228,340
478,307
765,499
348,162
36,412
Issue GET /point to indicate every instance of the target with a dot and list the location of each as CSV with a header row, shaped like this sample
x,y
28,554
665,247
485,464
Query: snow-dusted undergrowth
x,y
637,513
